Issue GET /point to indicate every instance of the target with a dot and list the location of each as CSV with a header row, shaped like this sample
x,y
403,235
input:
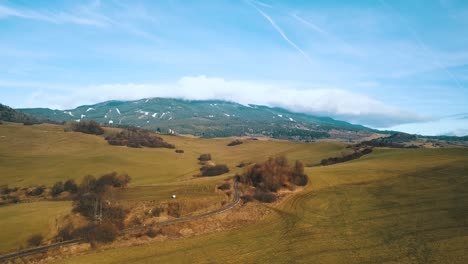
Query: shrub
x,y
224,186
87,127
298,176
301,180
173,209
153,232
214,170
105,233
70,186
243,164
57,189
35,191
235,142
274,174
35,240
157,211
65,233
13,198
115,215
4,189
204,157
179,151
247,198
264,197
137,138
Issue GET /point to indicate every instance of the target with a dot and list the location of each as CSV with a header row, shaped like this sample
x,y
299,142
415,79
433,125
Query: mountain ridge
x,y
207,118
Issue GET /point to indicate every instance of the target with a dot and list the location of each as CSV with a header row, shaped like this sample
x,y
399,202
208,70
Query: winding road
x,y
42,249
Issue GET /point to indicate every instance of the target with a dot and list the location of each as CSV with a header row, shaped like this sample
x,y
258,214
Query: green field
x,y
392,206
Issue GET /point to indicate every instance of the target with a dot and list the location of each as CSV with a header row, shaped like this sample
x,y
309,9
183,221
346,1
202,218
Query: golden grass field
x,y
392,206
44,154
19,221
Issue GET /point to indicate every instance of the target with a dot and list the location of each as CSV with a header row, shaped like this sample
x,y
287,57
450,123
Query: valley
x,y
394,205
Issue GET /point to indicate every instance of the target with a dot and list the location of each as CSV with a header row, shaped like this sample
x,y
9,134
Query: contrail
x,y
328,35
425,49
281,32
310,24
262,4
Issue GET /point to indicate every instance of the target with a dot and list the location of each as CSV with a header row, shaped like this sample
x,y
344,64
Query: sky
x,y
387,64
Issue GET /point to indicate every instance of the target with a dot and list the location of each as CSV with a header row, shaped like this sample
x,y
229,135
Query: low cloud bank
x,y
337,103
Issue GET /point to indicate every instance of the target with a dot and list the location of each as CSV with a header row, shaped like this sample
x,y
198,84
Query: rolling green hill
x,y
208,119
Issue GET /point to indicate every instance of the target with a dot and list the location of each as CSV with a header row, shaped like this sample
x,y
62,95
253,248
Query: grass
x,y
392,206
44,154
19,221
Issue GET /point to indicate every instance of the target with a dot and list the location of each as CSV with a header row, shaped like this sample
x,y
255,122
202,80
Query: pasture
x,y
393,206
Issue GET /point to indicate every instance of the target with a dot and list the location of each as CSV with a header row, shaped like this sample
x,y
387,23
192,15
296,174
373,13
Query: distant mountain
x,y
11,115
209,118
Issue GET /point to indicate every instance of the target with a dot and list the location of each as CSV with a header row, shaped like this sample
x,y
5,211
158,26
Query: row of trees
x,y
344,158
137,138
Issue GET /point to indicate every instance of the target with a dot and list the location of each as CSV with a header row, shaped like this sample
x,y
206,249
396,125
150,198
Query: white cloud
x,y
338,103
451,126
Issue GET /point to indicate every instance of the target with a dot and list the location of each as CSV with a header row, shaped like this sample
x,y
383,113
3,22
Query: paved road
x,y
164,223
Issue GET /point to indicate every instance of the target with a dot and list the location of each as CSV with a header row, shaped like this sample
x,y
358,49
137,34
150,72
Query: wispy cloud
x,y
433,58
54,17
341,43
281,32
262,4
84,15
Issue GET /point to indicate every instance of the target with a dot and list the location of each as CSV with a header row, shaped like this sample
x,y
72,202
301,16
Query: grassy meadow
x,y
392,206
19,221
44,154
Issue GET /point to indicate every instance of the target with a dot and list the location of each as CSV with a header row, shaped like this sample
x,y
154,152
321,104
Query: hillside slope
x,y
11,115
210,118
393,206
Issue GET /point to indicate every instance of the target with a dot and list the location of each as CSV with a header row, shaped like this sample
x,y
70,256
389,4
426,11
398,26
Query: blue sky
x,y
382,63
